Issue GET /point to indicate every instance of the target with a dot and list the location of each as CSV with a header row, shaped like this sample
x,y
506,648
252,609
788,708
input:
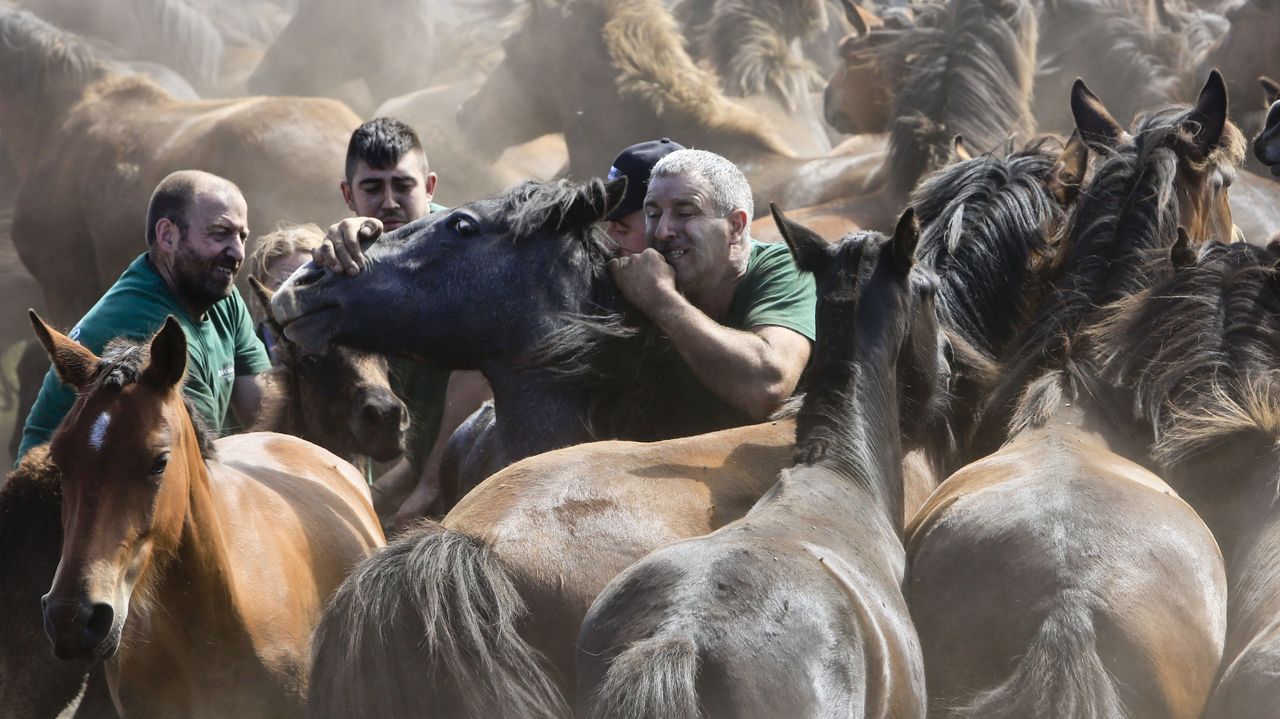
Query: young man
x,y
625,225
739,313
196,230
389,184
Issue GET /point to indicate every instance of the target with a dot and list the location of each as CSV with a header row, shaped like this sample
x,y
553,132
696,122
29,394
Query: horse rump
x,y
1060,675
428,624
653,678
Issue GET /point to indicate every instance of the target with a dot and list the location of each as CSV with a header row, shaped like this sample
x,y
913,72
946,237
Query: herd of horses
x,y
1030,470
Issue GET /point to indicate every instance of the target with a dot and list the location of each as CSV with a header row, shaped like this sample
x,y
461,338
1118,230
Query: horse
x,y
596,508
1058,576
1247,50
173,33
632,78
1196,355
964,68
90,145
1266,146
197,580
797,607
335,397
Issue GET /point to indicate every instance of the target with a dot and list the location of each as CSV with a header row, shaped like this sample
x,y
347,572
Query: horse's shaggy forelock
x,y
35,55
983,223
121,365
1199,351
971,68
647,49
749,42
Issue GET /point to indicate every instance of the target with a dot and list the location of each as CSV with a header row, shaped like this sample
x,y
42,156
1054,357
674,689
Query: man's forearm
x,y
740,367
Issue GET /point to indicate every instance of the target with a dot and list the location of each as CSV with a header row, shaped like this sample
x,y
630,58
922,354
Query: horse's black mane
x,y
121,365
983,222
1198,351
608,351
1127,212
970,64
35,55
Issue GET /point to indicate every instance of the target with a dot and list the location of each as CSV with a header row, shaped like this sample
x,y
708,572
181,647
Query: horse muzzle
x,y
80,629
379,425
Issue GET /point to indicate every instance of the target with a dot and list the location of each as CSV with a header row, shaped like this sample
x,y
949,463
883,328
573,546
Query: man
x,y
625,224
196,230
739,313
388,184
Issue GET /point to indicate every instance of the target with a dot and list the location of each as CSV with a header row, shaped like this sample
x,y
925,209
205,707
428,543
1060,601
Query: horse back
x,y
291,509
1056,536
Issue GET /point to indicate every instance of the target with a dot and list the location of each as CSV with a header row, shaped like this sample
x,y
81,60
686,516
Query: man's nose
x,y
389,200
662,230
236,250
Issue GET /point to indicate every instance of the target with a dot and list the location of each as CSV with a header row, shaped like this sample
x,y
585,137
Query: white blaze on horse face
x,y
99,431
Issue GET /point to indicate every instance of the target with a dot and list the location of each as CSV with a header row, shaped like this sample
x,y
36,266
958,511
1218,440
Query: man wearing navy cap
x,y
626,223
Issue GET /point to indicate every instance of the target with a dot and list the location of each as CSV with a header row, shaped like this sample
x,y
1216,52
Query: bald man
x,y
197,224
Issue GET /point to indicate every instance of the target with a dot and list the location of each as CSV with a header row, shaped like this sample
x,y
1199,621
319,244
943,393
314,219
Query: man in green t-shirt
x,y
389,184
739,312
196,230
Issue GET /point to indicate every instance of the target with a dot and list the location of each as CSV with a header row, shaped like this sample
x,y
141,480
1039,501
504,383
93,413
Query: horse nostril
x,y
98,626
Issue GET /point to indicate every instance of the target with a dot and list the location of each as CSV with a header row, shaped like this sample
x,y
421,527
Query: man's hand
x,y
343,247
645,279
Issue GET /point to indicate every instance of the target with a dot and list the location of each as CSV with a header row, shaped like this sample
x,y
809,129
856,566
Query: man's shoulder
x,y
134,307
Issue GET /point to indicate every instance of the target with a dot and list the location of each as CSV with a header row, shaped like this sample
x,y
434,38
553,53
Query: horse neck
x,y
855,431
533,416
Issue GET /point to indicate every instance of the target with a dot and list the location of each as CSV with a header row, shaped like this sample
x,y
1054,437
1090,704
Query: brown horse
x,y
90,145
596,508
797,608
1058,577
620,73
197,580
1197,353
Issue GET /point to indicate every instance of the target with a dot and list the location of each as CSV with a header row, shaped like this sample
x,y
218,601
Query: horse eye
x,y
161,462
463,225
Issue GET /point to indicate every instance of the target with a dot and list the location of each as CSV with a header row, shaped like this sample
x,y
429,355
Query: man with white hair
x,y
739,312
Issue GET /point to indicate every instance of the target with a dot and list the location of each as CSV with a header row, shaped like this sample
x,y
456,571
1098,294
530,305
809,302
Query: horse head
x,y
859,96
480,282
1266,146
339,398
874,298
127,452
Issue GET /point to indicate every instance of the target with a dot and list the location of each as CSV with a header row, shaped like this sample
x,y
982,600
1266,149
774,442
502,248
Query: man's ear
x,y
167,234
738,221
73,363
431,185
347,195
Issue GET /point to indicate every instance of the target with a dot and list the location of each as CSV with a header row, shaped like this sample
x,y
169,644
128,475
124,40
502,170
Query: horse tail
x,y
654,678
1060,675
428,623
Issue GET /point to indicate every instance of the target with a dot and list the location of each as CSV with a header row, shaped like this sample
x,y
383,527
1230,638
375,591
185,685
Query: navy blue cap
x,y
636,164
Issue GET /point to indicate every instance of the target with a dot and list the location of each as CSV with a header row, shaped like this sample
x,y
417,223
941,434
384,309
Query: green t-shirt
x,y
773,292
220,347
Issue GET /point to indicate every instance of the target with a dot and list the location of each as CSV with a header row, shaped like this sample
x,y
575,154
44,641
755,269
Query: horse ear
x,y
1209,116
264,295
959,151
168,361
811,253
1271,90
1068,172
614,191
905,237
1180,253
1093,121
73,362
591,203
862,20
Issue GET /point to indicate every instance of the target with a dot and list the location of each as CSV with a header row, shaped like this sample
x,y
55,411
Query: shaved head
x,y
173,196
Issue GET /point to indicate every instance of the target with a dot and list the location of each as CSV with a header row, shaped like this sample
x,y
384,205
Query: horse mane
x,y
1198,350
750,45
983,223
1127,212
39,57
121,365
972,64
647,50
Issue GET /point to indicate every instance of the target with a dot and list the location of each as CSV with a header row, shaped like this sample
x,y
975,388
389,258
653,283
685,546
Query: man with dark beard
x,y
196,230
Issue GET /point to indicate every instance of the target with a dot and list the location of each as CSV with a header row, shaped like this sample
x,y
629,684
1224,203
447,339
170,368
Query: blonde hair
x,y
284,241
